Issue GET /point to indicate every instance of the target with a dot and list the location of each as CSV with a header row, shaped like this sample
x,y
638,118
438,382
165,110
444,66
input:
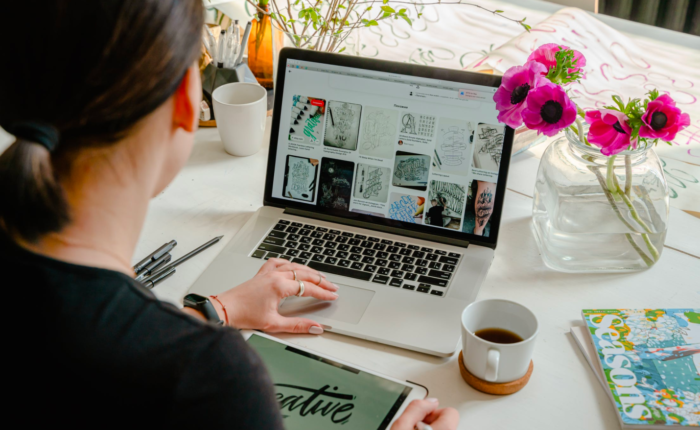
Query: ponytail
x,y
94,89
32,201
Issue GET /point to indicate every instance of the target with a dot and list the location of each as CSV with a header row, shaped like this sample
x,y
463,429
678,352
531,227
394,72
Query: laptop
x,y
388,178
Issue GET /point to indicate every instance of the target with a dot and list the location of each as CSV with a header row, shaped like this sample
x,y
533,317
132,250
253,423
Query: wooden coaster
x,y
499,389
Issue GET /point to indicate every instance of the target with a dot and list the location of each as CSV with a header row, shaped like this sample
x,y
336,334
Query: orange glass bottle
x,y
260,47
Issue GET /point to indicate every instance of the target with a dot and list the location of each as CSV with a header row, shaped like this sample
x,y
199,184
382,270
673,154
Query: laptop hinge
x,y
377,227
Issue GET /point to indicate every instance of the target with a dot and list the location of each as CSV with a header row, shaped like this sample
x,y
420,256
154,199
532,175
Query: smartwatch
x,y
203,305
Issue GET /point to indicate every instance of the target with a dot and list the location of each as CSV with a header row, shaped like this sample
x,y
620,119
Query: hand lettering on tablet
x,y
427,411
254,304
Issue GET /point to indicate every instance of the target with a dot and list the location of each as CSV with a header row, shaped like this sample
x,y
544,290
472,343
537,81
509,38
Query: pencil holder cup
x,y
213,77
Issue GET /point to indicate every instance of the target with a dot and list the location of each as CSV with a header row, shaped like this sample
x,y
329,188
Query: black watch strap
x,y
203,305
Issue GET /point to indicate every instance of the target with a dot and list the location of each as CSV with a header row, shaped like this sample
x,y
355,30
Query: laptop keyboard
x,y
381,261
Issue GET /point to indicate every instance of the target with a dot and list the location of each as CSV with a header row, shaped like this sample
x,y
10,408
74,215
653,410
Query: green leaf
x,y
368,9
340,6
498,11
407,19
402,12
619,103
385,1
388,9
273,15
341,49
372,22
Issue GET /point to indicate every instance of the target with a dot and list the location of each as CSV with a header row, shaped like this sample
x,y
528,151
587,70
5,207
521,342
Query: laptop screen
x,y
391,148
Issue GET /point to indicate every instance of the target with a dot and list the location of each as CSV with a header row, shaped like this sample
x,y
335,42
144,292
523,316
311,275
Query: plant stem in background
x,y
327,23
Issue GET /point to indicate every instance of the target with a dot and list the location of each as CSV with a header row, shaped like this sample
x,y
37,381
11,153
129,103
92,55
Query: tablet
x,y
316,392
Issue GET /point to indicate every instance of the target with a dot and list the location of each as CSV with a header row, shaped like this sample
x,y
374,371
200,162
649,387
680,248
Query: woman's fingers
x,y
415,412
294,325
294,266
272,264
443,419
311,276
292,288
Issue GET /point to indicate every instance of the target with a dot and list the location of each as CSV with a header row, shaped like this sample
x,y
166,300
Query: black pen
x,y
153,266
154,280
155,255
184,258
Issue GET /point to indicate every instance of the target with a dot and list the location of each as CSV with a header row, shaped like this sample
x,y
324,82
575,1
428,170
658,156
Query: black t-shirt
x,y
93,348
435,214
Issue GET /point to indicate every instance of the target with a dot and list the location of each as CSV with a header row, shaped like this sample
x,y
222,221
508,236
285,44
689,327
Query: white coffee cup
x,y
498,362
240,110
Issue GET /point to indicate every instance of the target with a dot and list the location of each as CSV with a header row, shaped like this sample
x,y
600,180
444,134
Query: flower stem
x,y
617,193
609,178
649,262
581,137
628,174
611,200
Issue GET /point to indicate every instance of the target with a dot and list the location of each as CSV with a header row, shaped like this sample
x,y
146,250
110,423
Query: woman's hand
x,y
254,304
427,412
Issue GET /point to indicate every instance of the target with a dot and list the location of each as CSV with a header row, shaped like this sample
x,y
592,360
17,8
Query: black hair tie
x,y
42,133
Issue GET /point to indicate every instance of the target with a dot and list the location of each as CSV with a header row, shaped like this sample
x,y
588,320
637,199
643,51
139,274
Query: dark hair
x,y
90,70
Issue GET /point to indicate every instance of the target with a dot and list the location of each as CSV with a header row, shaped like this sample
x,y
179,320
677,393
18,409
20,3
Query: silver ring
x,y
320,278
301,289
295,275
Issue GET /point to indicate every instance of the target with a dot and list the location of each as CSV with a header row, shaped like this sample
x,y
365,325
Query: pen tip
x,y
219,237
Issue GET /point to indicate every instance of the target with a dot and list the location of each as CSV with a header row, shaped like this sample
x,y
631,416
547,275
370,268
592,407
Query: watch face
x,y
195,299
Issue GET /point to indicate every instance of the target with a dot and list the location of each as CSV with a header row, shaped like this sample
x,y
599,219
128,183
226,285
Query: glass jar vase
x,y
593,213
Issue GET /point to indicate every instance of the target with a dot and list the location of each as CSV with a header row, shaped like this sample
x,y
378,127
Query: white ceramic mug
x,y
498,362
240,110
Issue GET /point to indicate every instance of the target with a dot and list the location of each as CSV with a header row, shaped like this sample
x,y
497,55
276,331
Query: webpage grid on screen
x,y
417,150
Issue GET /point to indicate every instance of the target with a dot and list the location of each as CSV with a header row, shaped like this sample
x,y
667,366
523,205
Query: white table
x,y
215,194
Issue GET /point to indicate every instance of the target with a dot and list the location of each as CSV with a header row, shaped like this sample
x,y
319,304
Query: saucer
x,y
499,389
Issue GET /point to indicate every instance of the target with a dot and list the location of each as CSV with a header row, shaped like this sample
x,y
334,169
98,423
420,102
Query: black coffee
x,y
498,335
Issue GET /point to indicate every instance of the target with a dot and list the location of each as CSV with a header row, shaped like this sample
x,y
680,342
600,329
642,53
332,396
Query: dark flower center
x,y
519,94
658,120
618,127
551,112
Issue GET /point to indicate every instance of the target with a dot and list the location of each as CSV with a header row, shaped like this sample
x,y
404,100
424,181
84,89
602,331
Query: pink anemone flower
x,y
545,54
511,96
549,110
609,131
662,119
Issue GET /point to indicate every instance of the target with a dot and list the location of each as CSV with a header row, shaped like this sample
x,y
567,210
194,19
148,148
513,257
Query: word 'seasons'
x,y
331,404
632,400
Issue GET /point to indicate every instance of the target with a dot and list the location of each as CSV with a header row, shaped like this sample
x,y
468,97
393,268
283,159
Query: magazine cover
x,y
651,362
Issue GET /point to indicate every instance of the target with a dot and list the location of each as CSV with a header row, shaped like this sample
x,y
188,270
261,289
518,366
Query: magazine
x,y
649,362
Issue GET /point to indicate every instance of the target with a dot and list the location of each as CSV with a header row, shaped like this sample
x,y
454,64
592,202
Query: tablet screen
x,y
318,393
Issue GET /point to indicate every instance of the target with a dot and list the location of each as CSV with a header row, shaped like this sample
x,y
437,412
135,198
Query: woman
x,y
102,97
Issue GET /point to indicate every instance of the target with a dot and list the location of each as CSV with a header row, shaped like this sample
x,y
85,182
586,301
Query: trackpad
x,y
349,307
